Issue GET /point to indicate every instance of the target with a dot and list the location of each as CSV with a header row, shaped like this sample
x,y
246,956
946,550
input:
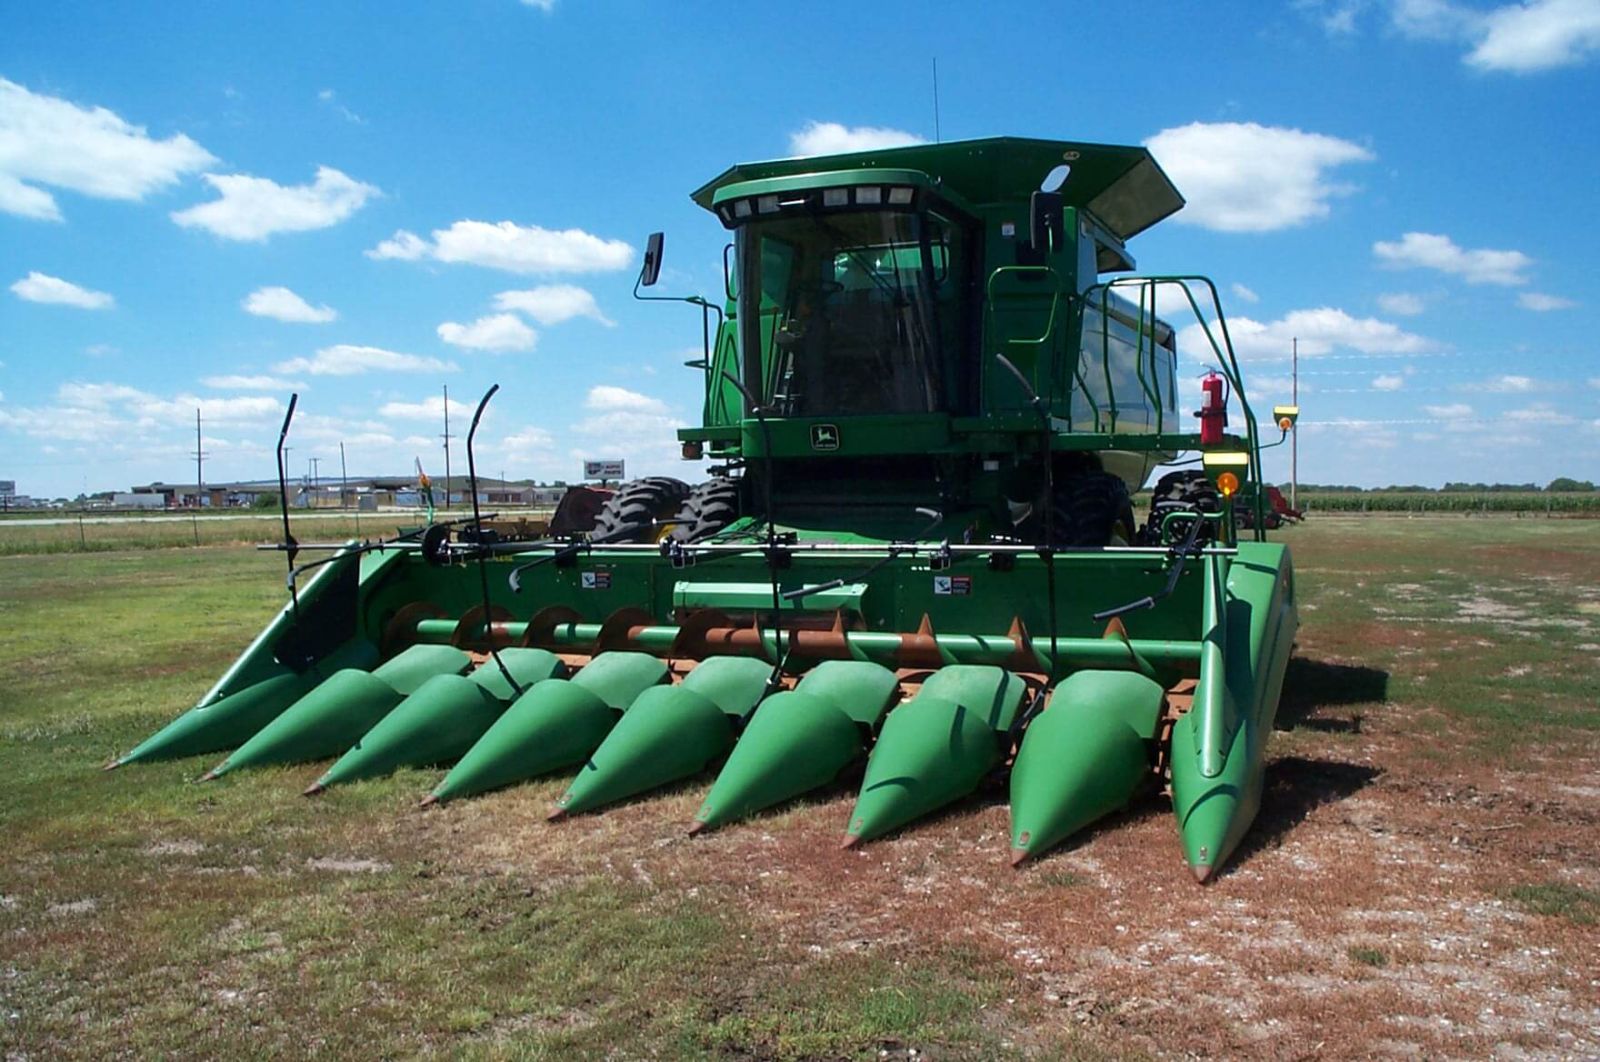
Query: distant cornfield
x,y
1576,503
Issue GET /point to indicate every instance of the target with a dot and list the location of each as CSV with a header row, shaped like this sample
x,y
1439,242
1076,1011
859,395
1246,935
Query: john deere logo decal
x,y
824,436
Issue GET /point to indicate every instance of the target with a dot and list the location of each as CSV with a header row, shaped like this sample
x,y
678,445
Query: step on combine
x,y
930,391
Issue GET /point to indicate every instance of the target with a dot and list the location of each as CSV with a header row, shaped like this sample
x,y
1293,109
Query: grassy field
x,y
1424,878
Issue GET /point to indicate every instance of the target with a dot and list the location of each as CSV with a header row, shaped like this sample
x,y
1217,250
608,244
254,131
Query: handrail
x,y
1224,355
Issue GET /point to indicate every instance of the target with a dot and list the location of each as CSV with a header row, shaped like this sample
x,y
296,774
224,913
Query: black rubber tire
x,y
1187,490
1092,510
710,508
637,505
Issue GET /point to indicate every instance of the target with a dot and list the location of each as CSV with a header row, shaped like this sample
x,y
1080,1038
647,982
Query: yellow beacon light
x,y
1228,484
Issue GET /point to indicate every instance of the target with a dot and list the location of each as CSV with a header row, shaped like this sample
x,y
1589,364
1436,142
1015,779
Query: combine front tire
x,y
1179,492
711,507
1093,510
630,514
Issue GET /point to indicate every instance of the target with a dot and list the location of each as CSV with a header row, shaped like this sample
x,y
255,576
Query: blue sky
x,y
215,204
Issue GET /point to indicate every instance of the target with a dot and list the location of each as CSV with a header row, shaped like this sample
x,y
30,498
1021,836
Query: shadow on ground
x,y
1310,686
1293,788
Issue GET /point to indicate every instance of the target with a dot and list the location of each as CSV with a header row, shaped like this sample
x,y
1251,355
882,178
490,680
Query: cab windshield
x,y
851,312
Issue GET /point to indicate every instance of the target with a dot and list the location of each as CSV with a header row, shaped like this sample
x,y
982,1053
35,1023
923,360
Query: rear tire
x,y
636,506
1186,491
1092,510
710,508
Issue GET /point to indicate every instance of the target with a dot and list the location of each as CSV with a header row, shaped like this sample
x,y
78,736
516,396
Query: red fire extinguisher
x,y
1213,411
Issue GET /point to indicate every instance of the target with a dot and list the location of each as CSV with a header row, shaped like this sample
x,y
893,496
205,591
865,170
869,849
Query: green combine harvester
x,y
929,394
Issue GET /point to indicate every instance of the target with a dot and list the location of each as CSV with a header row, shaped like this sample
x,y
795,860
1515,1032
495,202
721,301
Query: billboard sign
x,y
602,469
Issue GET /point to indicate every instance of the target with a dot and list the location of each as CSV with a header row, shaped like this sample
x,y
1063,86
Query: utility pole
x,y
316,462
447,438
199,462
344,478
1294,436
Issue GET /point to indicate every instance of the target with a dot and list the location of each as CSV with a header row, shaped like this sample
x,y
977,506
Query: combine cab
x,y
929,395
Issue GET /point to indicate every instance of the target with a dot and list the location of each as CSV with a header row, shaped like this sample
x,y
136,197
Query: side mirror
x,y
1045,222
652,260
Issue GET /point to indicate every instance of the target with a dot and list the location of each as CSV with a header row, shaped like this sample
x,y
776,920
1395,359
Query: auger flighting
x,y
906,564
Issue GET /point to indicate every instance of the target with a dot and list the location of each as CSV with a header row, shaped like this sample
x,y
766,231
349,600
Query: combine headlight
x,y
835,197
869,196
741,208
900,196
767,204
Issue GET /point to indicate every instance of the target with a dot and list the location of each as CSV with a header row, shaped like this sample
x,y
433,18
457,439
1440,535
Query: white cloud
x,y
1434,20
1401,303
404,246
831,138
511,247
1542,303
1454,411
109,414
1506,385
605,398
38,287
49,141
1388,382
500,332
546,6
1244,294
1540,413
1424,250
1520,38
254,208
430,408
347,360
1523,38
1594,382
1320,331
551,304
330,99
1244,177
281,304
252,383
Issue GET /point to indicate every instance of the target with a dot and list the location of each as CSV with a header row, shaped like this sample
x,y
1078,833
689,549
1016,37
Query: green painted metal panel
x,y
418,663
325,722
554,725
795,743
858,688
444,718
231,720
739,596
1085,756
1219,746
527,666
936,748
800,740
618,678
670,732
734,684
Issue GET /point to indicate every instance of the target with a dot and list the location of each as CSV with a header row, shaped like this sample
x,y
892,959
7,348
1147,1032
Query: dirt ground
x,y
1423,879
1386,903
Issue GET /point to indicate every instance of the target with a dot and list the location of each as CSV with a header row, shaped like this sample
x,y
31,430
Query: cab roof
x,y
1123,187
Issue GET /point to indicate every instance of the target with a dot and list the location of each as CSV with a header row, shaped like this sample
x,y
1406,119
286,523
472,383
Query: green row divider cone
x,y
800,739
670,733
1085,756
443,718
334,715
936,748
233,719
555,725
